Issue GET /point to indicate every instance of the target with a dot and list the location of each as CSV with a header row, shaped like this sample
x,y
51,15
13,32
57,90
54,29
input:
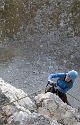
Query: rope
x,y
73,97
20,98
30,95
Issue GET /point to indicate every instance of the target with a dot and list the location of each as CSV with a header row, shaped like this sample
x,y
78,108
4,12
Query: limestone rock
x,y
52,106
21,118
13,94
45,109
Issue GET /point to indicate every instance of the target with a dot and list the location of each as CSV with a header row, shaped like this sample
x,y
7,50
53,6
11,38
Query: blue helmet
x,y
72,75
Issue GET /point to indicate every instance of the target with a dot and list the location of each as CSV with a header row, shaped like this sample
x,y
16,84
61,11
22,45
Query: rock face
x,y
17,108
52,106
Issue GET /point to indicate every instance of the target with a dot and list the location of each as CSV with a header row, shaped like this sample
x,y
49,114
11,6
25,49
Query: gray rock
x,y
16,108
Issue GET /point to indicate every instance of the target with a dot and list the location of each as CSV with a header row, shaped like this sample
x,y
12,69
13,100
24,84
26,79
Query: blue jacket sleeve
x,y
57,75
66,89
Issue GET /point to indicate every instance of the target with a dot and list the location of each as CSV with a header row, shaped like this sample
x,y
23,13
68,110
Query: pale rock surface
x,y
45,109
20,112
51,105
14,94
22,118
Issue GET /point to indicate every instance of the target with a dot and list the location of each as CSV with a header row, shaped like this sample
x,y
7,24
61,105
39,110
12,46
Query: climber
x,y
63,83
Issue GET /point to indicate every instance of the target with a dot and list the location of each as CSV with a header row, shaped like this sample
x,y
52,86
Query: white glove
x,y
50,82
57,87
